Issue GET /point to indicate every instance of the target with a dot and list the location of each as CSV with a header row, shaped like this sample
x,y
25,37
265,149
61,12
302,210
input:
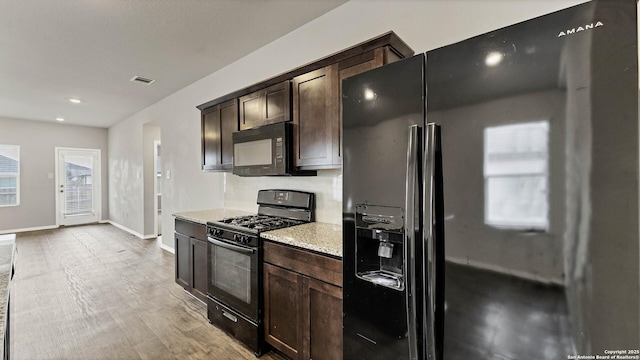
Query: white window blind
x,y
516,173
9,175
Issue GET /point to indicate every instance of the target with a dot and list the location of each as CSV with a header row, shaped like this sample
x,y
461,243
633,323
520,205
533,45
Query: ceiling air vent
x,y
142,80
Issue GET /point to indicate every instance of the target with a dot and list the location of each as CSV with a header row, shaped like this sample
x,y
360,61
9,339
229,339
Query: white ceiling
x,y
53,50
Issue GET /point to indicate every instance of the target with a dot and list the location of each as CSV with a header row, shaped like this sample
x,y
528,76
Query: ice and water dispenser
x,y
380,245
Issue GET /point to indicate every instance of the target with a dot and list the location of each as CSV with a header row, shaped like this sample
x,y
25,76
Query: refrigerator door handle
x,y
409,258
429,245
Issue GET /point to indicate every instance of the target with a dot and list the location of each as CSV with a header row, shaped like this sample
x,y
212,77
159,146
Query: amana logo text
x,y
580,28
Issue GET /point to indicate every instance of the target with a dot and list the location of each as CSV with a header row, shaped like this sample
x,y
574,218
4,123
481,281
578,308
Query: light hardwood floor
x,y
97,292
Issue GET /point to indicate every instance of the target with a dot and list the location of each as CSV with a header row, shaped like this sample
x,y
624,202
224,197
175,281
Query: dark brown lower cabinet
x,y
191,257
282,300
324,318
303,315
199,268
183,262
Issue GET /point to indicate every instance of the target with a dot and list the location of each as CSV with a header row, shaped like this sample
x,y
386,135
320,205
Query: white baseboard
x,y
13,231
7,238
167,249
503,270
49,227
132,232
122,227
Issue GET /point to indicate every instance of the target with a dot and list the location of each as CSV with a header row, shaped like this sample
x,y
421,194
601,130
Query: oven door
x,y
234,276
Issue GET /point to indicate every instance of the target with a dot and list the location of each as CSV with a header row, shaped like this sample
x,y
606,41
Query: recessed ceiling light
x,y
75,101
60,119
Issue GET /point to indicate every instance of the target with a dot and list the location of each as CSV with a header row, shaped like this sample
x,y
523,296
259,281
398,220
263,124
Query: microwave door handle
x,y
429,245
225,245
409,256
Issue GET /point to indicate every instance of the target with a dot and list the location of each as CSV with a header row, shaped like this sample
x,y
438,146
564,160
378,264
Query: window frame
x,y
519,224
11,175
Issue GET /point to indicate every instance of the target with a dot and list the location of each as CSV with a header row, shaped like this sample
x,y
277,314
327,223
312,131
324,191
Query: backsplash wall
x,y
240,193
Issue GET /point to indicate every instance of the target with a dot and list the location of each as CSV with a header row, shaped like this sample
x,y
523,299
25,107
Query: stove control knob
x,y
244,239
236,237
217,232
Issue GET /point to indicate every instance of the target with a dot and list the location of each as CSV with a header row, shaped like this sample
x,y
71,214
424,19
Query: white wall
x,y
38,141
126,206
424,25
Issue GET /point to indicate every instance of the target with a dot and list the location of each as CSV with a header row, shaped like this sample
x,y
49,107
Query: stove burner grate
x,y
261,222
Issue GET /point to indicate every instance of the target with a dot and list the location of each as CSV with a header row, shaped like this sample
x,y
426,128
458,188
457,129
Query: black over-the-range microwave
x,y
265,151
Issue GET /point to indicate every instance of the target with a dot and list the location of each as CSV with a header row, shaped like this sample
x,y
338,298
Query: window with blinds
x,y
516,173
9,175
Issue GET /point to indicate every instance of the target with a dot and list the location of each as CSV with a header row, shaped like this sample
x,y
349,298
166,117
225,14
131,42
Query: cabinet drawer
x,y
317,266
191,229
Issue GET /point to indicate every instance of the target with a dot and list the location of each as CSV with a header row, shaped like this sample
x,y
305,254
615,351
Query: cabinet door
x,y
199,268
317,114
252,110
210,138
218,123
282,308
228,125
183,261
277,103
316,118
322,320
266,106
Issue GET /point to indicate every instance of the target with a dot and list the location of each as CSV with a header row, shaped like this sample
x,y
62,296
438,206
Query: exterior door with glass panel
x,y
78,186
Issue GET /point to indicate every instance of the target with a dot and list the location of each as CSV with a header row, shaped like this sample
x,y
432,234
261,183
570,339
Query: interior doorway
x,y
158,187
78,188
152,179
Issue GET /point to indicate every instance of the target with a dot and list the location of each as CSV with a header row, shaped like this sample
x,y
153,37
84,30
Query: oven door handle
x,y
225,245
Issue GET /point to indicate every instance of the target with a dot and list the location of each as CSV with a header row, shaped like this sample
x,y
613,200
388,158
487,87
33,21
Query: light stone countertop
x,y
203,216
321,237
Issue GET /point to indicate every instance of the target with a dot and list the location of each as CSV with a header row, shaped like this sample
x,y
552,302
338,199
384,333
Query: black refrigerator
x,y
521,146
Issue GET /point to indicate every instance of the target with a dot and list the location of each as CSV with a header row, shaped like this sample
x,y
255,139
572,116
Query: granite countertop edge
x,y
320,237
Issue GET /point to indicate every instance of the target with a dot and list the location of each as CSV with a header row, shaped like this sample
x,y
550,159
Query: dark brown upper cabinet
x,y
317,109
218,123
266,106
309,95
315,118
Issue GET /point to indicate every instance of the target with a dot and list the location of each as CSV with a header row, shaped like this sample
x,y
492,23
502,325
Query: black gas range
x,y
235,301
